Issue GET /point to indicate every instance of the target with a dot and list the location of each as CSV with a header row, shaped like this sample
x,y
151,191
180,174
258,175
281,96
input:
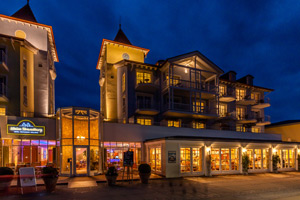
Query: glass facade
x,y
190,160
225,159
287,158
259,158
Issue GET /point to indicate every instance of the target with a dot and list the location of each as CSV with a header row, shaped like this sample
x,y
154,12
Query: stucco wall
x,y
289,132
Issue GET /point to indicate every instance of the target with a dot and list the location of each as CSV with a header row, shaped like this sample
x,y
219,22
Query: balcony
x,y
262,121
3,93
227,97
246,100
187,110
245,119
147,86
144,108
262,103
186,84
3,62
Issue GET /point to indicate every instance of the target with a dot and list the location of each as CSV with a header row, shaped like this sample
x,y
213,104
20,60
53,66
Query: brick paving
x,y
256,186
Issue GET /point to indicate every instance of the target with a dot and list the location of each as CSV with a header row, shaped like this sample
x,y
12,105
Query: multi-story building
x,y
27,84
184,91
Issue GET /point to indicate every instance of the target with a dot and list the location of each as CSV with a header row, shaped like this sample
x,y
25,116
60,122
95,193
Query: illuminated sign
x,y
80,112
25,127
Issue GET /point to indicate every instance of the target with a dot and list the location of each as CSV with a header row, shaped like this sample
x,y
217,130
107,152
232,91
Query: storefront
x,y
78,134
28,142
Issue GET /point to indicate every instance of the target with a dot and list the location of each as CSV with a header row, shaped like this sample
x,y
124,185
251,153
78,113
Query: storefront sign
x,y
27,177
25,127
171,156
128,158
80,112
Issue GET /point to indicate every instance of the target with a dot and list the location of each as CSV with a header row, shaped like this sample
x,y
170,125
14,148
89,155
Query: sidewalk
x,y
99,179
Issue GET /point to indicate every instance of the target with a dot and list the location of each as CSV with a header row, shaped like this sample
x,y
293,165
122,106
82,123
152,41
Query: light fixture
x,y
208,149
185,70
244,150
274,150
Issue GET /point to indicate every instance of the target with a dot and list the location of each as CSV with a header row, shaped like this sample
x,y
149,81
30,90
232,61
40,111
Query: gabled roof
x,y
25,13
121,37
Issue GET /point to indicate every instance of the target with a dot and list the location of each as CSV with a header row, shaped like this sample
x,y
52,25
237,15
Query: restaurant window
x,y
259,158
234,159
222,90
240,94
227,157
185,159
190,160
222,110
198,125
2,111
155,159
266,158
173,123
287,157
215,159
123,82
225,160
144,121
143,77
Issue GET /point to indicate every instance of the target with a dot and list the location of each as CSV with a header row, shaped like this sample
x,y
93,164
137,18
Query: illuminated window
x,y
173,123
198,107
175,79
155,159
222,90
185,160
240,94
198,125
222,110
240,113
144,121
255,96
2,111
25,68
240,128
123,82
255,130
143,77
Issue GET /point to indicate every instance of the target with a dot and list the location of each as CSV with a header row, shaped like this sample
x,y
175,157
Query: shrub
x,y
144,168
245,163
50,172
6,171
275,160
112,171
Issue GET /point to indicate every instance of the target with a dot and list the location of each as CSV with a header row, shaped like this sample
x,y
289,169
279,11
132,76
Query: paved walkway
x,y
231,187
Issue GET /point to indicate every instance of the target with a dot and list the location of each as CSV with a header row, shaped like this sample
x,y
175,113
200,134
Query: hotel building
x,y
173,114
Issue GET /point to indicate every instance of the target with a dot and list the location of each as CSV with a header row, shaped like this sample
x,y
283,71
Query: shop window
x,y
173,123
143,77
198,125
215,159
287,157
197,159
250,155
258,158
266,158
185,160
155,159
225,159
144,121
2,111
234,159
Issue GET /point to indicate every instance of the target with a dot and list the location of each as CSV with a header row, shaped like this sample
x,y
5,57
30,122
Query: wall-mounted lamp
x,y
208,149
244,150
274,150
185,70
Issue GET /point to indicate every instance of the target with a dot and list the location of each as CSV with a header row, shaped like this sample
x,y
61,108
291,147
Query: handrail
x,y
175,82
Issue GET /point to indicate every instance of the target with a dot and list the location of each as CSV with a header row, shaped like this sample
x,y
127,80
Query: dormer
x,y
230,76
248,79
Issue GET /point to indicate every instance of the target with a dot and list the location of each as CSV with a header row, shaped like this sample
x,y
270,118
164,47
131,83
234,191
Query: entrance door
x,y
81,161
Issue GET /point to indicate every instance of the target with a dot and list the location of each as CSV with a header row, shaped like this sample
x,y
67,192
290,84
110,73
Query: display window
x,y
190,160
259,158
224,159
155,159
287,158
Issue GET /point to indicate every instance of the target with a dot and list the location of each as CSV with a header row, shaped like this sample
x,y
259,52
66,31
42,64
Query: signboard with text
x,y
128,158
25,127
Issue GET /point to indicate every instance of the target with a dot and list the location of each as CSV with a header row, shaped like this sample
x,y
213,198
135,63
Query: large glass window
x,y
215,159
259,158
227,157
185,159
155,159
234,159
190,160
266,158
287,157
240,94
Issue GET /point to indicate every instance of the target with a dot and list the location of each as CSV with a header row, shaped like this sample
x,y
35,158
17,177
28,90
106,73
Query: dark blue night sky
x,y
261,38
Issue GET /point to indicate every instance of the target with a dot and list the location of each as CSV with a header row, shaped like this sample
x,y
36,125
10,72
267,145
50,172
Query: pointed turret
x,y
121,37
25,13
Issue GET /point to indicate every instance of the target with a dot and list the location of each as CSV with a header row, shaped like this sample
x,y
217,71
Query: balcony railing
x,y
266,118
147,81
146,105
3,89
190,108
228,93
245,117
207,87
265,100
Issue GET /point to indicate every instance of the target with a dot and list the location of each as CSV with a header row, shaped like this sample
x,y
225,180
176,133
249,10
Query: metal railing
x,y
245,117
207,87
265,100
229,93
266,118
190,108
147,81
145,105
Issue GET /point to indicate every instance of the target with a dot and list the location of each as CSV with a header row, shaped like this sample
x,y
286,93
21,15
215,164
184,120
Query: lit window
x,y
143,121
175,79
255,130
198,107
172,123
222,110
255,96
143,77
240,113
123,82
222,90
2,111
240,94
198,125
240,129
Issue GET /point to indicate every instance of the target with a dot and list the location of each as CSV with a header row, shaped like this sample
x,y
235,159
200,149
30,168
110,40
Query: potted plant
x,y
144,172
208,165
6,176
275,161
245,163
50,177
111,176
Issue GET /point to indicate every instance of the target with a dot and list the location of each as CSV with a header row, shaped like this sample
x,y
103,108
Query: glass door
x,y
81,161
